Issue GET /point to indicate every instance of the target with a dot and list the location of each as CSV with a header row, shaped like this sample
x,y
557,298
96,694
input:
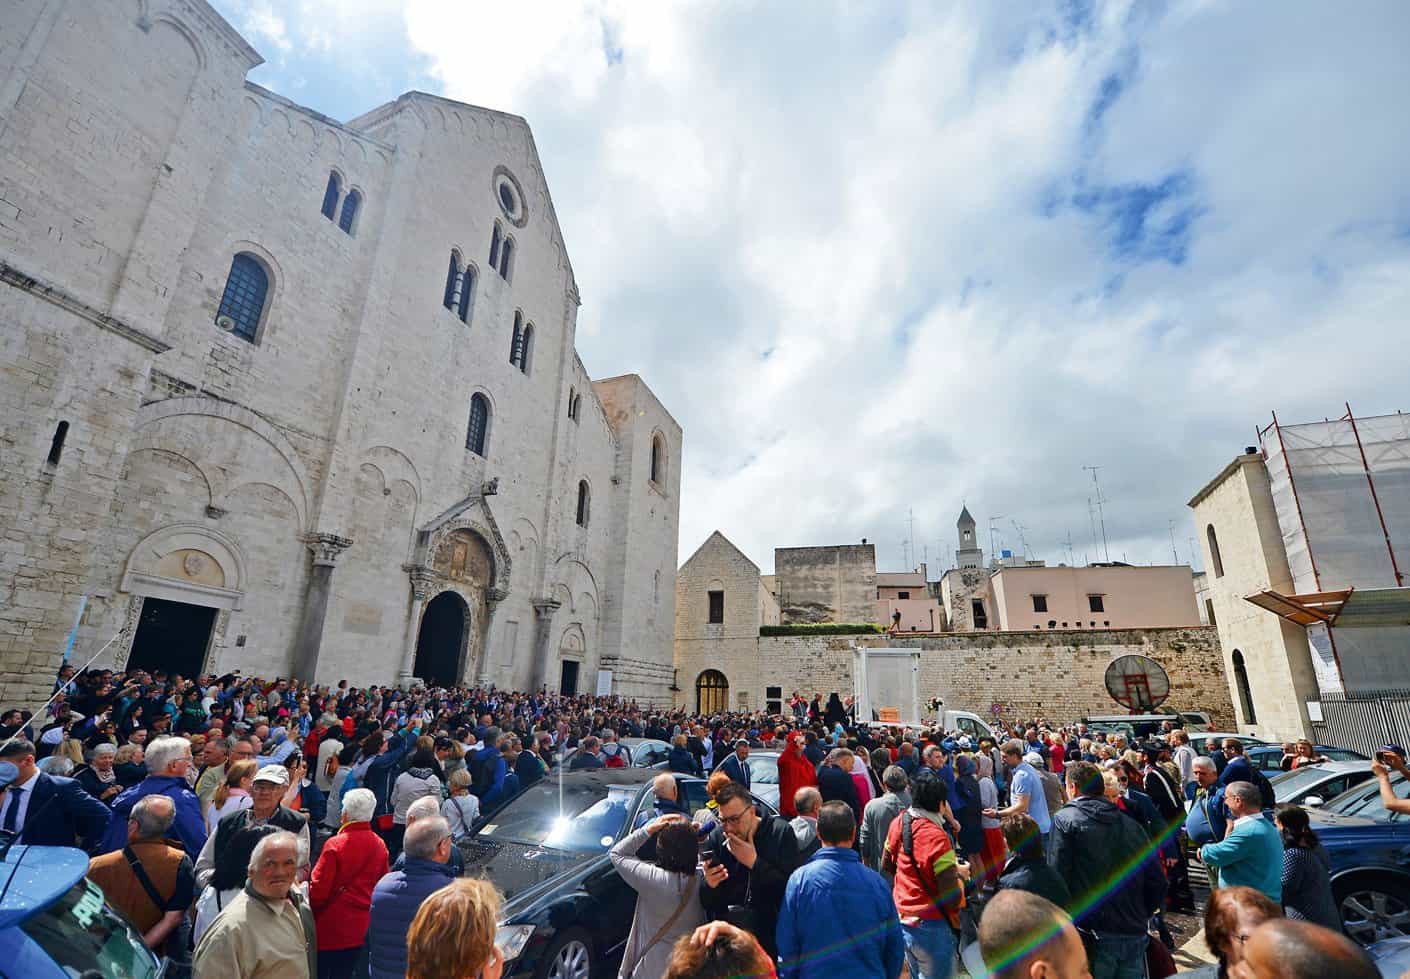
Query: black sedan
x,y
566,912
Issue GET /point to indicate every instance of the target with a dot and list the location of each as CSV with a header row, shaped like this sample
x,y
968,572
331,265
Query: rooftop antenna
x,y
1194,551
993,554
1070,561
1100,512
910,536
1173,551
1022,539
1092,516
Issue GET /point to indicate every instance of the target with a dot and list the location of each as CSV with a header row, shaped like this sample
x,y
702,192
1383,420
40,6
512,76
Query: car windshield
x,y
763,770
1288,784
648,753
1365,800
84,937
587,818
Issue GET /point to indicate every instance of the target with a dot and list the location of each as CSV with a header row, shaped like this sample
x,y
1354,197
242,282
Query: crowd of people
x,y
266,829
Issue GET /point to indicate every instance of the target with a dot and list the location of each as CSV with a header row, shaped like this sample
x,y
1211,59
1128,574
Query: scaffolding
x,y
1341,491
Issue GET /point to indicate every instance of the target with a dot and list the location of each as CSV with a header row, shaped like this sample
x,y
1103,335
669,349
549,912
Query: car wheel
x,y
1373,908
569,956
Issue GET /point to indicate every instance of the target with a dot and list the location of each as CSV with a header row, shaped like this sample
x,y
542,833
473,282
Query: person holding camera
x,y
1391,757
747,861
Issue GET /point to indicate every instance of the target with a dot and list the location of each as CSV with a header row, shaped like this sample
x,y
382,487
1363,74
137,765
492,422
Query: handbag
x,y
686,899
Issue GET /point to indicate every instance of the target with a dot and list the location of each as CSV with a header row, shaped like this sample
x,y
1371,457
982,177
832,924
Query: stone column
x,y
423,582
477,666
543,633
325,549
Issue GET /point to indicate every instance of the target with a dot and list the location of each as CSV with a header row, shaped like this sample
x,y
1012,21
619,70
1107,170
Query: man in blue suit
x,y
48,810
736,766
168,760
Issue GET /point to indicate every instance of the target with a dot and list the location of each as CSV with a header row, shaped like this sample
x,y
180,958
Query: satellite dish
x,y
1137,682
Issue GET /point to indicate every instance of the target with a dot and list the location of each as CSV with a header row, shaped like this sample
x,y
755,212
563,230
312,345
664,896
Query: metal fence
x,y
1362,722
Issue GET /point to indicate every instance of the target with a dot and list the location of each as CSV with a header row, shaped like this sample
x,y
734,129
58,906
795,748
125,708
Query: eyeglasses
x,y
731,820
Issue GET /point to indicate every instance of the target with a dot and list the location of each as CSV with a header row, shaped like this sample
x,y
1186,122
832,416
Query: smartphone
x,y
708,856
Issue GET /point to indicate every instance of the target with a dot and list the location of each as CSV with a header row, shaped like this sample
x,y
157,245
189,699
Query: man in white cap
x,y
267,792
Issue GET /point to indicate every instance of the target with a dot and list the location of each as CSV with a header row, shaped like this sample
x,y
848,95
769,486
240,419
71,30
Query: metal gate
x,y
1363,723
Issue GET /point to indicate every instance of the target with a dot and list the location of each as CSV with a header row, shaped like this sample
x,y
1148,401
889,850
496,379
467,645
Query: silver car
x,y
1312,785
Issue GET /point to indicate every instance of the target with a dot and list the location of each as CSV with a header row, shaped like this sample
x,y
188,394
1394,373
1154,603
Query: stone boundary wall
x,y
1058,675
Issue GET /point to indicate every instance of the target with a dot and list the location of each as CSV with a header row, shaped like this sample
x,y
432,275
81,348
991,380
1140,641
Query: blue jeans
x,y
930,949
1119,956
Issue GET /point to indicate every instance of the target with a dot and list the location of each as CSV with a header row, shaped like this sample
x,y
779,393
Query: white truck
x,y
887,691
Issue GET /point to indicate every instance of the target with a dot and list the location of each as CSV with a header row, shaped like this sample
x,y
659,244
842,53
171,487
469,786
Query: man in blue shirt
x,y
838,917
1025,793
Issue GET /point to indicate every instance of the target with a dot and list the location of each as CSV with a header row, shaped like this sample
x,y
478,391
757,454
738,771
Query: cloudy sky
x,y
880,257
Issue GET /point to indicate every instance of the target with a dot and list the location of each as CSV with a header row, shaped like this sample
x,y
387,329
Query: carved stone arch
x,y
497,552
568,566
155,446
279,115
355,146
394,465
563,595
254,105
151,415
331,137
185,31
170,563
226,496
572,644
586,605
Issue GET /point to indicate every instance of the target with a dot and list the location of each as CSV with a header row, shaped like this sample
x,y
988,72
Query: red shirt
x,y
927,887
340,890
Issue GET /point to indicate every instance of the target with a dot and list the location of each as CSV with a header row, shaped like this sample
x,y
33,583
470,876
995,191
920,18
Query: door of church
x,y
568,681
171,637
441,641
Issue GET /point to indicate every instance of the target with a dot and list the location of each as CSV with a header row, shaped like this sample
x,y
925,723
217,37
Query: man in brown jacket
x,y
149,880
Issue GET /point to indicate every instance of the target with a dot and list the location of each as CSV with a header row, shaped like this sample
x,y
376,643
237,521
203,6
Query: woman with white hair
x,y
340,891
98,777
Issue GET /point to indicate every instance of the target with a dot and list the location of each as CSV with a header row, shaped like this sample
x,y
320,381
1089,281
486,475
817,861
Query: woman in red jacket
x,y
794,772
340,891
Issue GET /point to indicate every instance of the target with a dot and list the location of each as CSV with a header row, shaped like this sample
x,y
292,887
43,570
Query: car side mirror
x,y
1312,800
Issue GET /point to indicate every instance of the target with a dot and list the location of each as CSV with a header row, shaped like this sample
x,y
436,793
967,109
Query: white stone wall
x,y
1239,506
347,418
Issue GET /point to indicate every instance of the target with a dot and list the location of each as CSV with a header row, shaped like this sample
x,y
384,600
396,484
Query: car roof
x,y
33,877
604,777
1336,767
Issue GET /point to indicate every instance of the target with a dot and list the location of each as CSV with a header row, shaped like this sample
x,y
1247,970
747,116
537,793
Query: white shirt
x,y
26,792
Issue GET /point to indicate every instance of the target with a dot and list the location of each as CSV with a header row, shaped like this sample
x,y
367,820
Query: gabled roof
x,y
716,540
965,518
408,100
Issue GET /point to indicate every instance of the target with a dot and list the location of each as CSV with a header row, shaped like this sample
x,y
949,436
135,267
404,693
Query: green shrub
x,y
822,629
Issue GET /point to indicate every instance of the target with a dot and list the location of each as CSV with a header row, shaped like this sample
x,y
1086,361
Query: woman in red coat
x,y
794,772
340,891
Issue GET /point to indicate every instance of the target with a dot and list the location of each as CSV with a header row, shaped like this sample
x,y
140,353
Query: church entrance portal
x,y
441,641
172,637
568,679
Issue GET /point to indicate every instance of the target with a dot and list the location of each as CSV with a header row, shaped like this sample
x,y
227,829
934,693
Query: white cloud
x,y
968,284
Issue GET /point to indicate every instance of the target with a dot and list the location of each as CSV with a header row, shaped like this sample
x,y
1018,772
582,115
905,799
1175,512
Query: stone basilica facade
x,y
281,394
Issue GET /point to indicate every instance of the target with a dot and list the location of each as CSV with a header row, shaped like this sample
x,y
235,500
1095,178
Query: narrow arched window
x,y
577,408
572,408
349,215
330,196
516,343
584,502
478,432
526,349
467,292
506,257
494,246
658,460
452,280
242,303
1245,691
1214,557
56,445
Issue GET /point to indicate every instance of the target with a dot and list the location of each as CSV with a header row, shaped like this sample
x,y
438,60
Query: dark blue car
x,y
1370,854
54,923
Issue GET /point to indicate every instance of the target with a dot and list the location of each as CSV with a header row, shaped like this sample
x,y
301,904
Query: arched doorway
x,y
711,693
440,643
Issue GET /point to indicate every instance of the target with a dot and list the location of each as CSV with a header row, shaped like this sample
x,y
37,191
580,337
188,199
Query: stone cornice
x,y
65,300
